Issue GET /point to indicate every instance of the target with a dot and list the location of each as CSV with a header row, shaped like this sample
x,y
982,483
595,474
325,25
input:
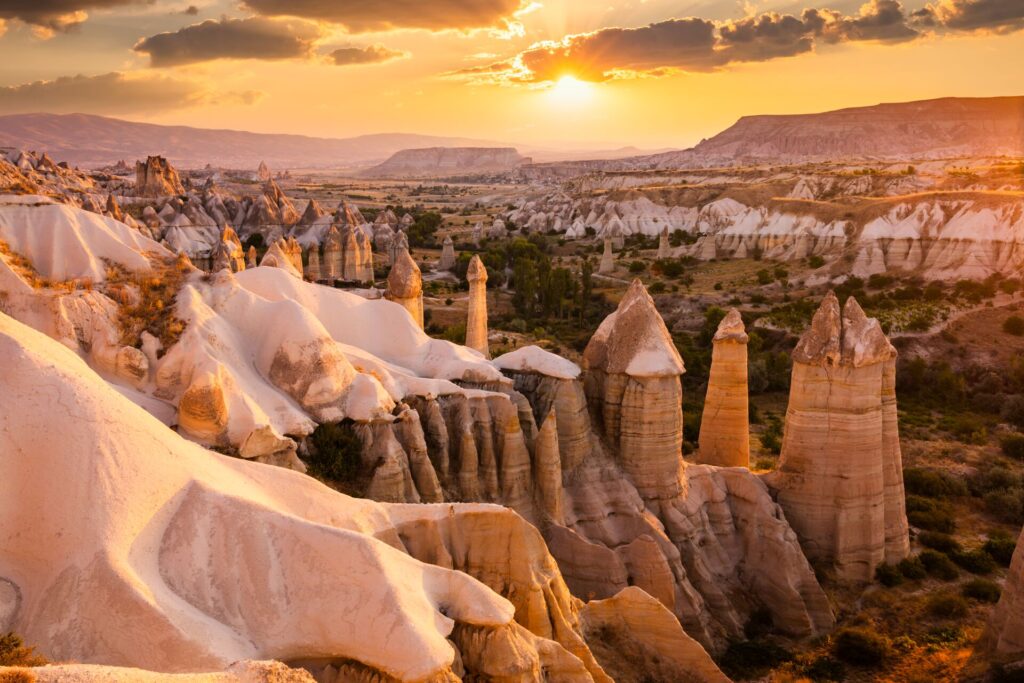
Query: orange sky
x,y
693,94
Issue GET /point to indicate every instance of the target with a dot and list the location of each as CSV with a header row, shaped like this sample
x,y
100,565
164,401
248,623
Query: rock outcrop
x,y
837,473
1005,636
632,381
447,260
405,286
156,178
476,321
607,258
664,248
724,428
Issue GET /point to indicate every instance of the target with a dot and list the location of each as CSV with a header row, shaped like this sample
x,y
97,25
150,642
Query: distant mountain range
x,y
438,162
946,127
93,141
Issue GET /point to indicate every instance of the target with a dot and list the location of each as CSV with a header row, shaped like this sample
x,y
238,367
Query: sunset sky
x,y
555,73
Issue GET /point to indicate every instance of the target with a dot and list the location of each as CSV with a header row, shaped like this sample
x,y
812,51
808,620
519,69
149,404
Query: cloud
x,y
694,44
372,54
360,16
252,38
113,93
191,11
1000,16
47,17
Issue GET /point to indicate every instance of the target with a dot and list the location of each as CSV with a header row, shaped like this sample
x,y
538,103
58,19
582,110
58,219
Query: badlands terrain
x,y
661,419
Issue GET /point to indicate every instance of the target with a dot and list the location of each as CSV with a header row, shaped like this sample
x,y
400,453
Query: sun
x,y
569,90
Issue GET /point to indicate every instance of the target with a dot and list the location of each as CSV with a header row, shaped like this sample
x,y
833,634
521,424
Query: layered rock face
x,y
1006,632
156,178
838,475
724,426
632,382
405,286
476,323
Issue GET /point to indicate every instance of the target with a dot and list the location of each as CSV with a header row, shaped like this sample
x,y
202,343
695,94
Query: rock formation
x,y
350,588
836,476
332,269
607,258
280,255
398,244
229,252
632,382
664,248
364,266
313,264
263,172
447,260
724,427
156,178
476,322
405,286
1005,635
351,256
250,257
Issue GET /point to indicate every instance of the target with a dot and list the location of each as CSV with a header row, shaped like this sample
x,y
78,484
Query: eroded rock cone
x,y
313,264
476,323
332,265
447,261
664,249
156,178
607,258
250,258
724,427
405,286
114,209
832,479
632,383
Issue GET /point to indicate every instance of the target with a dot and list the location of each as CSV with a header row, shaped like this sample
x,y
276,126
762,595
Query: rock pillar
x,y
724,427
405,286
476,323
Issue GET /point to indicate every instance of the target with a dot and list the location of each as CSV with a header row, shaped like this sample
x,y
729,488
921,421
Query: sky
x,y
560,74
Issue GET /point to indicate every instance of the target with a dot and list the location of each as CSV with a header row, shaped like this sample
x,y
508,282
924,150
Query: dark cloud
x,y
191,11
372,54
695,44
112,93
252,38
1001,16
360,16
53,16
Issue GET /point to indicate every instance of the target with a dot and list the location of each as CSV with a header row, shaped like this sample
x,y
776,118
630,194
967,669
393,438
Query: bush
x,y
981,590
1006,505
930,514
888,575
938,565
912,568
13,652
336,452
1014,325
861,647
932,483
1013,446
947,606
752,658
1001,549
637,267
935,540
825,669
975,561
764,277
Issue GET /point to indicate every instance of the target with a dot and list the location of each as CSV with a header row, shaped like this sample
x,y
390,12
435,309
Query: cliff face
x,y
837,478
441,161
942,127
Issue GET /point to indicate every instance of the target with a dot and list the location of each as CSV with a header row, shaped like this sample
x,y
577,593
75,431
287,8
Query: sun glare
x,y
569,90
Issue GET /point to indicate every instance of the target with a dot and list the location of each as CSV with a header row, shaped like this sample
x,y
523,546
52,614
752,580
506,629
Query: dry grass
x,y
153,312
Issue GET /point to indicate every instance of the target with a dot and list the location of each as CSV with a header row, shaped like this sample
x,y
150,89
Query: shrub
x,y
932,483
930,514
938,565
763,276
825,669
981,590
1014,325
947,606
935,540
815,261
861,647
14,652
336,452
912,568
1013,446
975,561
1001,549
656,287
771,443
637,267
1013,411
752,658
888,575
1006,505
